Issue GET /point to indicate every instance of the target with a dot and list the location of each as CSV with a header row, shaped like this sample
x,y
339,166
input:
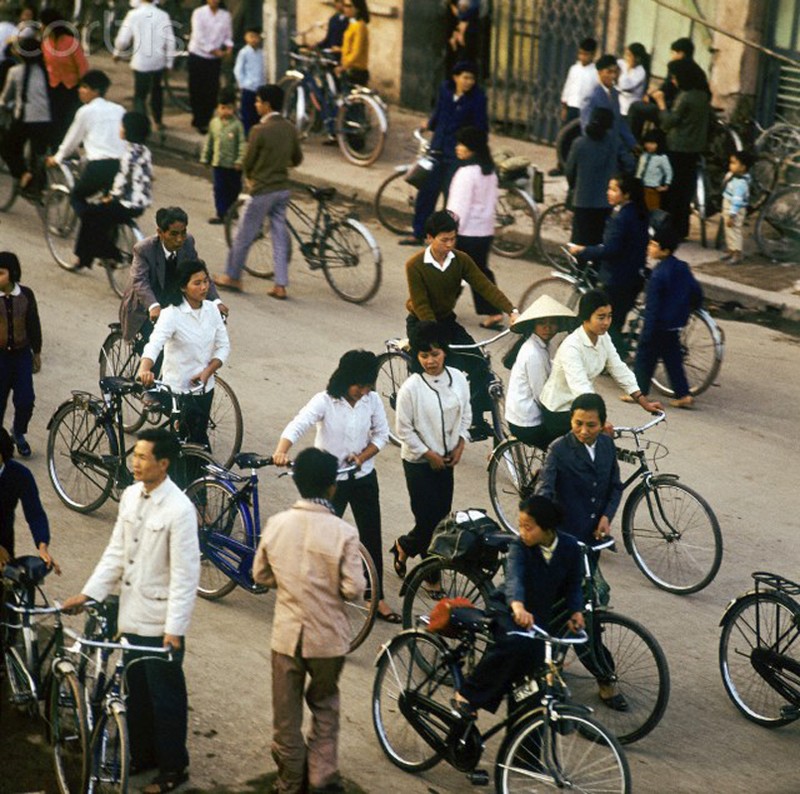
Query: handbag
x,y
420,172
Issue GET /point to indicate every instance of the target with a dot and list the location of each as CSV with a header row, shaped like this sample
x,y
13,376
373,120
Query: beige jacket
x,y
312,557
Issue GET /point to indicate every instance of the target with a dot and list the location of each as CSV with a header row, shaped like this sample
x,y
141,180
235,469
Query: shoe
x,y
389,617
215,221
736,259
434,591
683,402
726,257
23,447
410,241
492,325
626,398
615,702
226,282
331,140
463,709
279,293
400,566
330,788
136,768
480,430
555,172
165,782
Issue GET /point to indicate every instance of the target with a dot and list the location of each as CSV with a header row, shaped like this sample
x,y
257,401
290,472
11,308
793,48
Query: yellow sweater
x,y
355,46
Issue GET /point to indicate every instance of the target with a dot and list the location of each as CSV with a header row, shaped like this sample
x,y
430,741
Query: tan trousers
x,y
733,234
290,750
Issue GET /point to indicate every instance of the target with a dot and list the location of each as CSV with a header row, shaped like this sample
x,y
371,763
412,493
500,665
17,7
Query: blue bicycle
x,y
229,523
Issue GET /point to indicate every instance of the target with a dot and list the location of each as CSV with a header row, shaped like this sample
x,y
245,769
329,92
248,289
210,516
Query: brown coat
x,y
272,147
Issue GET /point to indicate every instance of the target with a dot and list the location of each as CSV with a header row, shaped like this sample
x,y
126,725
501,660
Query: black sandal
x,y
400,566
164,783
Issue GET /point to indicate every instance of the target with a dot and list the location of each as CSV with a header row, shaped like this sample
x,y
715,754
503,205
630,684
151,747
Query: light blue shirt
x,y
249,68
737,192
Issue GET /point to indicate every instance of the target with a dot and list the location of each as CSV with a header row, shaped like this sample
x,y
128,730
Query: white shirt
x,y
432,413
528,376
591,449
8,31
630,84
150,30
342,429
97,126
210,31
428,258
577,363
152,560
473,197
190,338
579,84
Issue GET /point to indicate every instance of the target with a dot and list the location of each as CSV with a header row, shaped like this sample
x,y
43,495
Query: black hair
x,y
465,66
440,222
427,335
362,12
477,141
642,56
745,158
6,445
546,513
273,94
356,367
166,216
136,126
666,238
10,262
590,402
688,75
97,80
165,445
253,29
684,45
52,18
600,122
632,187
605,62
314,472
226,96
588,44
590,302
30,51
183,275
654,136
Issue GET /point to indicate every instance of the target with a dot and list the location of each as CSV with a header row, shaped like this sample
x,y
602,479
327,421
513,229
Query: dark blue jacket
x,y
622,256
672,293
600,98
334,36
17,485
589,166
449,117
585,489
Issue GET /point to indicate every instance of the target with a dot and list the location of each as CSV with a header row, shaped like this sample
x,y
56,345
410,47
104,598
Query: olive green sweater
x,y
272,148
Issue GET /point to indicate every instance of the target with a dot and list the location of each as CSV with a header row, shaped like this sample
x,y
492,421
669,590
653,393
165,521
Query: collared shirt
x,y
342,429
190,339
249,68
429,259
96,125
579,84
150,31
528,376
631,85
210,31
547,551
591,449
473,198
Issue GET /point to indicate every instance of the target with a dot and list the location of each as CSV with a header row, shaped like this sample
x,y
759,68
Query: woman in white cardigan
x,y
472,197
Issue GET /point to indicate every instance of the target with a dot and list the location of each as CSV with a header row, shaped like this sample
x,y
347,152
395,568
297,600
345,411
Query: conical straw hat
x,y
539,309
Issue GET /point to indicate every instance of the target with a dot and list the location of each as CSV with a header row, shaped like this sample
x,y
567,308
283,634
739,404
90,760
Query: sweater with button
x,y
20,327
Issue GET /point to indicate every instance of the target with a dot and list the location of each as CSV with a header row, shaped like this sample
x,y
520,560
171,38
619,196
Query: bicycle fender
x,y
376,249
752,591
94,404
53,416
63,667
717,332
626,536
401,169
295,75
118,707
575,709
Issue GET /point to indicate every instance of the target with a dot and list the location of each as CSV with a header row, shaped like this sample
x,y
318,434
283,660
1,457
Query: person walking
x,y
310,628
272,148
153,557
249,74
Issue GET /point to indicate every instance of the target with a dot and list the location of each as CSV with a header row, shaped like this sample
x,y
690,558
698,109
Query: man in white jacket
x,y
153,560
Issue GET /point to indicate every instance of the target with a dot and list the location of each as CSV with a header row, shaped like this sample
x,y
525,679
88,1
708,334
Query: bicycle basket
x,y
462,536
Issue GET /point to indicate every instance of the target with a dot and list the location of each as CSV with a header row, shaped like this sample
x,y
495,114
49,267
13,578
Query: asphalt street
x,y
736,448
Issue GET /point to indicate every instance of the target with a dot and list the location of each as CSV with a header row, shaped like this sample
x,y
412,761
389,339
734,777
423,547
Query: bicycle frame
x,y
314,228
319,84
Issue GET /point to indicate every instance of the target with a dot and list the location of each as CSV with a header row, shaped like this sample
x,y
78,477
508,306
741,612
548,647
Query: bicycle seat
x,y
467,619
27,571
499,541
115,385
251,460
322,193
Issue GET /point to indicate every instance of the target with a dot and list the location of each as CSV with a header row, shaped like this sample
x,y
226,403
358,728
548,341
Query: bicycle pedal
x,y
478,777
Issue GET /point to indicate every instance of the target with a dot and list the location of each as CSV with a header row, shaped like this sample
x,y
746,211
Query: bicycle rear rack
x,y
777,582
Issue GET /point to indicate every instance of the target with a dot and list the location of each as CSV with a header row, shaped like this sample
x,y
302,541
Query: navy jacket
x,y
334,36
449,117
17,485
586,490
589,167
600,98
672,293
622,256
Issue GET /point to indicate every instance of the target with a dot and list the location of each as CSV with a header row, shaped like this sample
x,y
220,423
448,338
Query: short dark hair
x,y
97,80
745,158
684,45
654,136
440,222
314,472
590,302
273,94
226,96
588,44
356,367
465,66
605,62
362,11
601,121
253,29
427,335
183,274
6,445
688,75
10,262
547,514
165,445
589,402
136,126
166,216
666,238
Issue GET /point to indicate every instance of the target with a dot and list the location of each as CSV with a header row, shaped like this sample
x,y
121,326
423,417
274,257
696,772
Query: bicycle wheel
x,y
60,226
361,613
81,457
8,188
394,203
351,260
553,231
568,751
394,368
298,106
760,639
220,518
119,270
69,731
515,217
259,261
777,230
21,660
778,141
120,359
702,348
513,468
560,288
673,535
360,128
109,755
225,424
176,82
763,180
189,465
414,678
623,652
567,135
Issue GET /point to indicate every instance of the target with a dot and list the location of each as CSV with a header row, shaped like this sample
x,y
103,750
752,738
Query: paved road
x,y
736,448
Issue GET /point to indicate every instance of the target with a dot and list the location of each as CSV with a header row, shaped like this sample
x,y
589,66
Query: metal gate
x,y
534,42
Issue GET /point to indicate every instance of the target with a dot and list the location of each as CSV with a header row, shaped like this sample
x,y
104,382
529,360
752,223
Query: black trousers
x,y
623,299
203,88
532,436
195,415
363,496
12,147
588,224
157,708
431,495
97,234
149,84
64,104
678,199
96,177
477,248
664,345
556,423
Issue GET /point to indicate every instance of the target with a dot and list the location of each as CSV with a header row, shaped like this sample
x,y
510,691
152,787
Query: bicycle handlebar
x,y
635,431
23,610
483,343
603,544
122,645
538,633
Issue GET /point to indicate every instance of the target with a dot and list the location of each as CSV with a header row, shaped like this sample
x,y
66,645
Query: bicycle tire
x,y
416,661
589,758
360,129
218,513
93,672
259,259
394,368
567,135
702,348
225,424
516,218
777,229
60,226
176,82
763,180
361,613
512,472
189,465
778,141
395,201
351,261
21,661
298,107
119,270
553,231
80,449
119,358
560,288
68,731
689,557
109,754
756,626
8,188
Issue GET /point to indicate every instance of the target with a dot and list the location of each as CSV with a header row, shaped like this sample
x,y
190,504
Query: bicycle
x,y
548,740
759,651
777,229
229,525
86,448
702,340
516,211
620,651
333,241
120,358
10,190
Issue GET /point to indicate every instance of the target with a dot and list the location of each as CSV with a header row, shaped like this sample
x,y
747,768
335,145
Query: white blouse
x,y
528,376
631,85
473,197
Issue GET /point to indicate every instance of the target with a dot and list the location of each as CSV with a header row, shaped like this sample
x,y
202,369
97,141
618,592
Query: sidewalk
x,y
755,284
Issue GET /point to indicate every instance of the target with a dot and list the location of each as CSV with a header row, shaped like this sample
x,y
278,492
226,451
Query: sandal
x,y
615,702
400,566
463,709
168,781
493,325
389,617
